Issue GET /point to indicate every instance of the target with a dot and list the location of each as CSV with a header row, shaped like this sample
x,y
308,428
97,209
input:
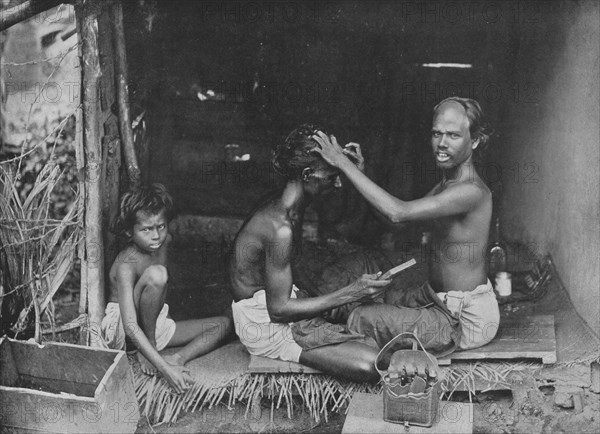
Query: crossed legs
x,y
197,336
351,360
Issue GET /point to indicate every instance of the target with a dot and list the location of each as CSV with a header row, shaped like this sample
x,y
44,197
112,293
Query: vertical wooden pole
x,y
111,143
87,15
23,11
80,160
131,163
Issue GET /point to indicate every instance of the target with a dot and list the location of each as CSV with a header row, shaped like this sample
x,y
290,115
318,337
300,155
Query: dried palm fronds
x,y
594,357
36,251
160,404
482,376
319,394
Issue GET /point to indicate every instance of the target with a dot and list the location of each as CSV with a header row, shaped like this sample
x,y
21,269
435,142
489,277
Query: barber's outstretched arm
x,y
454,200
278,278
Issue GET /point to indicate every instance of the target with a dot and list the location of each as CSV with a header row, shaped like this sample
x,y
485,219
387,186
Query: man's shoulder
x,y
271,224
472,186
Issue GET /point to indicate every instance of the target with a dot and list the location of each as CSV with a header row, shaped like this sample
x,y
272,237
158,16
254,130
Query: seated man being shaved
x,y
266,303
457,306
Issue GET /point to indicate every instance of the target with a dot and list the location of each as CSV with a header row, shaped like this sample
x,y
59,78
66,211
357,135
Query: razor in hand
x,y
394,271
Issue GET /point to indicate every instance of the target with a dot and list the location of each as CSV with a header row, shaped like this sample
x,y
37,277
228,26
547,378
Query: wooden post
x,y
87,15
595,377
111,143
24,10
133,170
80,160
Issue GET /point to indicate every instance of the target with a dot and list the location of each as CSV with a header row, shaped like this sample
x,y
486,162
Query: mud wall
x,y
551,155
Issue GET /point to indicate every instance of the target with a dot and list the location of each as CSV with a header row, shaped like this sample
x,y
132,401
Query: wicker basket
x,y
400,405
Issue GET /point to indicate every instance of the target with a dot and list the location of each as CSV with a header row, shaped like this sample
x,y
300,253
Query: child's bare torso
x,y
136,261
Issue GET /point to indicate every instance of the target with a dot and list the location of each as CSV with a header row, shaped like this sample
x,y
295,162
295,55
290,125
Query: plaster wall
x,y
552,160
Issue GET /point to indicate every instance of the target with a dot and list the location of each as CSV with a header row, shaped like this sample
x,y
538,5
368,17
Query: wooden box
x,y
65,388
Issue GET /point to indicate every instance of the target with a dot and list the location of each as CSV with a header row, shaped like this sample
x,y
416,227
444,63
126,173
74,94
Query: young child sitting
x,y
136,311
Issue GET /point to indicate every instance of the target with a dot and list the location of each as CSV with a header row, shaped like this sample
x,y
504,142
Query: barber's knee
x,y
156,276
365,365
367,370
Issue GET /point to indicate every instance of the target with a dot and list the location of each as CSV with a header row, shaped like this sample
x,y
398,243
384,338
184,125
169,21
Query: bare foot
x,y
177,360
174,359
147,367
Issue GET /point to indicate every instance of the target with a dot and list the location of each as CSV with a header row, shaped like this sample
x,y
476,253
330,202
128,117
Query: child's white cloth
x,y
113,333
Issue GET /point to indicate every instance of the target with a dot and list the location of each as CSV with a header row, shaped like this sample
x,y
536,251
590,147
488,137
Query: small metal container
x,y
401,404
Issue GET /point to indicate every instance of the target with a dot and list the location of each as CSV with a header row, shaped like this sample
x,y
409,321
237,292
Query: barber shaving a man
x,y
456,307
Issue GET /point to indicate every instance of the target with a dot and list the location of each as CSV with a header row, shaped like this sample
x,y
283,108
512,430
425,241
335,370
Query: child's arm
x,y
126,278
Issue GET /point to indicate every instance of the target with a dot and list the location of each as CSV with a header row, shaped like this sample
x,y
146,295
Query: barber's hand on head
x,y
368,287
329,149
178,377
353,152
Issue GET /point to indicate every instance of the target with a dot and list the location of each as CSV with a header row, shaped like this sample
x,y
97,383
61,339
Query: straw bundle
x,y
36,250
221,377
318,393
160,404
481,376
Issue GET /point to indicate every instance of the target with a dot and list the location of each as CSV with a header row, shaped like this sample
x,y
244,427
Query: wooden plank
x,y
576,375
8,374
264,365
50,360
531,337
548,357
512,348
365,415
58,385
116,389
110,404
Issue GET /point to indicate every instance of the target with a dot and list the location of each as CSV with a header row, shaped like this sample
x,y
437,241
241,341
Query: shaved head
x,y
477,124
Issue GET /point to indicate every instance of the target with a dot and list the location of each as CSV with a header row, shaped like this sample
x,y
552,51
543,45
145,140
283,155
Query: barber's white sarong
x,y
259,334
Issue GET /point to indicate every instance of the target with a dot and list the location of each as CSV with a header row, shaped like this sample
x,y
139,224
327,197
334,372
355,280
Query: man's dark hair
x,y
292,156
478,126
151,199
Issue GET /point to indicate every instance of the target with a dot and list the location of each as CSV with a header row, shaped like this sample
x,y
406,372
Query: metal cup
x,y
503,284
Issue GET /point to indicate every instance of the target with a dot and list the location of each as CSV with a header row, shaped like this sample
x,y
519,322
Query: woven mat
x,y
216,375
223,376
